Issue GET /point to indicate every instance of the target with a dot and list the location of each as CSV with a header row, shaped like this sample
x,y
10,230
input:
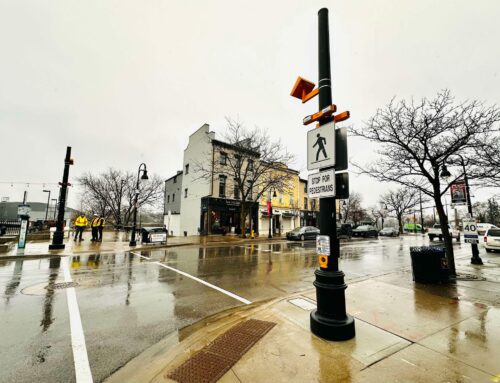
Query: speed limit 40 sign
x,y
470,231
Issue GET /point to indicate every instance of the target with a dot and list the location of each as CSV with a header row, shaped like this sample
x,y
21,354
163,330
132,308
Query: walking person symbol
x,y
321,142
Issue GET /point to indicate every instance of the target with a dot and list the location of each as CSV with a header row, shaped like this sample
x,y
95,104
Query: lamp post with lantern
x,y
143,169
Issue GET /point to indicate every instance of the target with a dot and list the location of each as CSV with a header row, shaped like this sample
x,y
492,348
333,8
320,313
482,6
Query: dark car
x,y
344,230
303,233
389,232
365,231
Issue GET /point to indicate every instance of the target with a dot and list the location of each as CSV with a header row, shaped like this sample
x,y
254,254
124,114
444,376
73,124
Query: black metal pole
x,y
476,259
58,238
48,202
330,320
270,218
55,208
421,214
132,238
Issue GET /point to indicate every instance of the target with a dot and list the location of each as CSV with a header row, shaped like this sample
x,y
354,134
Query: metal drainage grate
x,y
62,285
215,359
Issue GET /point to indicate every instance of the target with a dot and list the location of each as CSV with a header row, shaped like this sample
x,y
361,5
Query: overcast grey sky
x,y
125,82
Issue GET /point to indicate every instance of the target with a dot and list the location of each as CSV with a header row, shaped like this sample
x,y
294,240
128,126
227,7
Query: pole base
x,y
57,246
332,329
476,261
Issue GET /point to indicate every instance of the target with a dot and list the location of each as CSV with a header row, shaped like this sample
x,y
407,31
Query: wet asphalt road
x,y
129,301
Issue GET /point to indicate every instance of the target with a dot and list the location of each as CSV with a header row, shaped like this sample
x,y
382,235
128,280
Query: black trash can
x,y
429,264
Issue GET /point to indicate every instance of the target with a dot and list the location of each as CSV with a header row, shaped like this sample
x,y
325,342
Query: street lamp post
x,y
270,211
55,207
143,177
48,202
421,214
476,259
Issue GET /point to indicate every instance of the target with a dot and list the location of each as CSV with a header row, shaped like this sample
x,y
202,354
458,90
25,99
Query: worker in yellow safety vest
x,y
81,223
100,227
94,226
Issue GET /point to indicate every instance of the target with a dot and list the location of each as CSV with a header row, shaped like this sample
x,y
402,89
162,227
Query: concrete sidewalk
x,y
405,332
119,242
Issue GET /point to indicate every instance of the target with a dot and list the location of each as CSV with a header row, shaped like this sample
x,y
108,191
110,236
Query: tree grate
x,y
215,359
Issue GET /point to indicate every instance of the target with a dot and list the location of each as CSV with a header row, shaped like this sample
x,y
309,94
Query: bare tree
x,y
379,212
257,165
111,194
419,138
352,210
399,202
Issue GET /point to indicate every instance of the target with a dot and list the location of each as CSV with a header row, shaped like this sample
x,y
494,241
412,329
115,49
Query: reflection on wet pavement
x,y
127,303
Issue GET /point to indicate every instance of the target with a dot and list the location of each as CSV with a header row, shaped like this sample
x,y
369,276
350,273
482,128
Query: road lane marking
x,y
80,356
237,297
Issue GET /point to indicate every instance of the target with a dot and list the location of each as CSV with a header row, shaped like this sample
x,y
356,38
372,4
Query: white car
x,y
483,227
492,240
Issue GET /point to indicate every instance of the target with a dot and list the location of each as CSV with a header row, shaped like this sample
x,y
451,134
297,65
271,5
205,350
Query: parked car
x,y
435,232
303,233
365,231
389,232
344,230
482,228
412,228
492,240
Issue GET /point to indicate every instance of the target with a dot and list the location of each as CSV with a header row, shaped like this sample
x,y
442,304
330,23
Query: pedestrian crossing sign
x,y
321,147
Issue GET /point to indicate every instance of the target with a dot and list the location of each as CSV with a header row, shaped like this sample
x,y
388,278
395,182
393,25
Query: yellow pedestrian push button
x,y
323,250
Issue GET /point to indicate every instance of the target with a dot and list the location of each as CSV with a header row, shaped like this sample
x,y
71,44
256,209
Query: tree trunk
x,y
243,215
400,222
443,220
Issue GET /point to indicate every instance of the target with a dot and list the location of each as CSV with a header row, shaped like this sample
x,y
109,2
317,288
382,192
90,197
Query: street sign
x,y
321,147
322,184
23,210
470,230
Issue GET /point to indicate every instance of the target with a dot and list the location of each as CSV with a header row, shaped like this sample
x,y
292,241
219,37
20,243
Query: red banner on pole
x,y
268,207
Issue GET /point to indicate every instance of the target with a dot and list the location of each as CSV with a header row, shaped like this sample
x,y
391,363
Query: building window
x,y
175,179
281,198
305,187
238,162
185,193
236,190
290,196
223,158
173,197
313,204
168,198
249,195
305,203
250,165
187,169
222,186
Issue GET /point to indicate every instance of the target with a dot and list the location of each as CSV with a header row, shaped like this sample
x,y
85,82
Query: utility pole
x,y
58,238
330,320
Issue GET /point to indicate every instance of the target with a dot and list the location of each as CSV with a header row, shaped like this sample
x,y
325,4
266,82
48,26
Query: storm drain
x,y
215,359
63,285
